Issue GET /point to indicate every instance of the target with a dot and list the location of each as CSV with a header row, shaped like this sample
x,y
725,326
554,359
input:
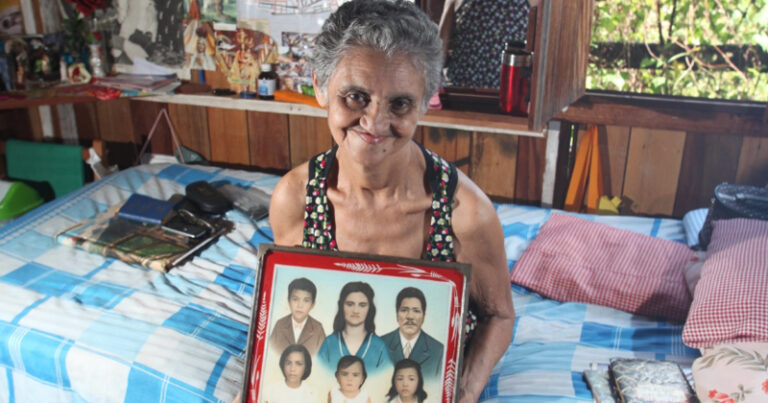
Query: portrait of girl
x,y
407,383
296,365
350,374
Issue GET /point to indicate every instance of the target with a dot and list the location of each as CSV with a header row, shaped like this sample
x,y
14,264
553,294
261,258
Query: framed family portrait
x,y
334,326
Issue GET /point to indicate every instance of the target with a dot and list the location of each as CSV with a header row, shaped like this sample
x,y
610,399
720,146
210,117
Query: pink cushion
x,y
722,372
730,303
572,259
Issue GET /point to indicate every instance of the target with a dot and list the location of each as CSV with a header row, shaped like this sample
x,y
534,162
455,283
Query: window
x,y
716,49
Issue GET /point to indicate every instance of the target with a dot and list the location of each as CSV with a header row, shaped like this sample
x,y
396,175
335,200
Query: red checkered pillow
x,y
730,303
572,259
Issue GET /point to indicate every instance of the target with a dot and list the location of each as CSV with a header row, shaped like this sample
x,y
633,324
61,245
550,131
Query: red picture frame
x,y
444,286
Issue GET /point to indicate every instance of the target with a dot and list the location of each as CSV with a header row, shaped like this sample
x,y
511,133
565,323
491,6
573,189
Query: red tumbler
x,y
514,94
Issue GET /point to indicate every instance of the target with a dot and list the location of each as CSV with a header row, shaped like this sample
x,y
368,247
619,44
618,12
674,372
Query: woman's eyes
x,y
356,100
400,106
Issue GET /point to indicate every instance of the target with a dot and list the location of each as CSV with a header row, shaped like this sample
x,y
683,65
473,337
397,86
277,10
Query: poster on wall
x,y
293,25
213,10
11,21
199,45
142,31
239,55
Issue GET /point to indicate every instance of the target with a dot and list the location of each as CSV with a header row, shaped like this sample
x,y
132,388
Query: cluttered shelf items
x,y
113,48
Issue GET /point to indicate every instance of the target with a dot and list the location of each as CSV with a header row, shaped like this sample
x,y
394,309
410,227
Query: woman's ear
x,y
320,96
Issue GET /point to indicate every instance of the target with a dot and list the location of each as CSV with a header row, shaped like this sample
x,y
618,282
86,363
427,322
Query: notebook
x,y
650,381
598,378
146,209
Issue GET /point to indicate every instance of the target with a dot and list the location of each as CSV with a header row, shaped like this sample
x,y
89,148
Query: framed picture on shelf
x,y
333,326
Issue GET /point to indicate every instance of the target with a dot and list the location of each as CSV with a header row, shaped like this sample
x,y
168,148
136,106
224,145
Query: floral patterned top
x,y
442,178
480,30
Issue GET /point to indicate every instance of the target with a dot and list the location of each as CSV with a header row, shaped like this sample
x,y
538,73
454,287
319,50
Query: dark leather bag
x,y
734,201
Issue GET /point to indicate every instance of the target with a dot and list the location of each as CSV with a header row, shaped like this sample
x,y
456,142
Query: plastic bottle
x,y
267,82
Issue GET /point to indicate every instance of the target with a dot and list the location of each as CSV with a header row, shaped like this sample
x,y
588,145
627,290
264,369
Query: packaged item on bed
x,y
253,202
598,378
132,241
650,381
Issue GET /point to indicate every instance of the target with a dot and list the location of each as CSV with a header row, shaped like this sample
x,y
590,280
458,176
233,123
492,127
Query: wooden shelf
x,y
41,100
459,120
473,121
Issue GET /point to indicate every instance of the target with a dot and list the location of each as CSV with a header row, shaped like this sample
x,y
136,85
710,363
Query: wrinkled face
x,y
373,103
350,378
355,308
410,317
300,303
294,367
406,382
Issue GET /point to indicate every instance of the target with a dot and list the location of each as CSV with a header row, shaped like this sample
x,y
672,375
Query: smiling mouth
x,y
372,139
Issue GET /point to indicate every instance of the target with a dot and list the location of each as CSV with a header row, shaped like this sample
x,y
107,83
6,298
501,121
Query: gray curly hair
x,y
388,26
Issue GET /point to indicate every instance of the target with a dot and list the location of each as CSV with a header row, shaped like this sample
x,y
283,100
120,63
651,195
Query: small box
x,y
146,209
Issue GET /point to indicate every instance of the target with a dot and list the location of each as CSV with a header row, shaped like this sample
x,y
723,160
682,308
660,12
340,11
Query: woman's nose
x,y
375,119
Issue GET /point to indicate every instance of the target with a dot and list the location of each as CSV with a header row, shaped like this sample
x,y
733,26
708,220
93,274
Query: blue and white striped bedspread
x,y
554,342
75,326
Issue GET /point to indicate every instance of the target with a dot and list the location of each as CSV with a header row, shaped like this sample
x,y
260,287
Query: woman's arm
x,y
286,209
481,244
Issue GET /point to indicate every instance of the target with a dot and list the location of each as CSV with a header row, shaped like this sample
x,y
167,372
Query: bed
x,y
80,327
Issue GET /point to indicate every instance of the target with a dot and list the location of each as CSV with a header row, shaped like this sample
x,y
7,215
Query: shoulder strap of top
x,y
443,178
318,223
320,164
436,167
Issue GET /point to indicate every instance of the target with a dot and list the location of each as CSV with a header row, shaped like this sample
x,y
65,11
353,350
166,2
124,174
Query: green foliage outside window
x,y
694,48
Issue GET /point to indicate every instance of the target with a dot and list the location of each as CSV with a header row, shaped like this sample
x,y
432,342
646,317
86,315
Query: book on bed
x,y
650,381
131,241
598,378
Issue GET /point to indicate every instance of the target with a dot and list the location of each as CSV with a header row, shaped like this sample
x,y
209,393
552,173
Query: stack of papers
x,y
155,84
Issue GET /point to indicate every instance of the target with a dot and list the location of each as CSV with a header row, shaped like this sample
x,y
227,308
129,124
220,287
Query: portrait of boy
x,y
298,327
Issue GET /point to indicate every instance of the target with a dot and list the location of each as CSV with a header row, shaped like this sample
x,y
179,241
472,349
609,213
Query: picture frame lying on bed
x,y
404,318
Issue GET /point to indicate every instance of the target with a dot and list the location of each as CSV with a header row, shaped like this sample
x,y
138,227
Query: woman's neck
x,y
391,176
354,332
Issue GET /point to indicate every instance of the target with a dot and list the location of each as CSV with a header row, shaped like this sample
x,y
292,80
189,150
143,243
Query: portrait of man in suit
x,y
298,327
409,340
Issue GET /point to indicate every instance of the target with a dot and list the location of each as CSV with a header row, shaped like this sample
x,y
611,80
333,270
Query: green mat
x,y
59,165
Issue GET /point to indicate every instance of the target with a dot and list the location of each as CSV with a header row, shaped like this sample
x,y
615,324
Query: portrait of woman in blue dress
x,y
354,331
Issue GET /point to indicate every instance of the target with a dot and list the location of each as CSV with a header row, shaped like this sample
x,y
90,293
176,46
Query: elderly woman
x,y
375,65
354,332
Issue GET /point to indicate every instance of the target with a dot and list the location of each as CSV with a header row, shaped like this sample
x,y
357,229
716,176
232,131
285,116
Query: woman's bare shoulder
x,y
286,209
472,208
293,181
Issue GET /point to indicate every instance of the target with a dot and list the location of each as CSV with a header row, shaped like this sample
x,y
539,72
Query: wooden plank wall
x,y
508,168
656,172
668,173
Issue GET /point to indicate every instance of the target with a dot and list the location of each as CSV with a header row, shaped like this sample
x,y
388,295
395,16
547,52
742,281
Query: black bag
x,y
734,201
